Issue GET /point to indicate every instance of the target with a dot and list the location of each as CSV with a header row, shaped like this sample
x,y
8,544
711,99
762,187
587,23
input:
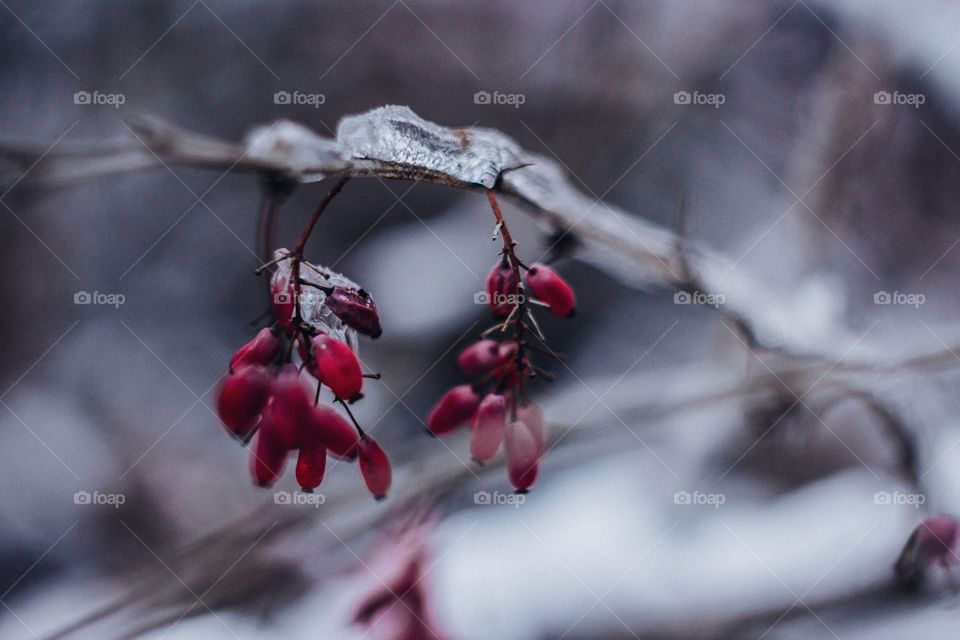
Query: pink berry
x,y
547,286
479,358
338,367
284,306
501,289
375,467
453,410
357,310
933,542
311,463
532,415
242,398
523,455
489,423
261,350
334,432
269,458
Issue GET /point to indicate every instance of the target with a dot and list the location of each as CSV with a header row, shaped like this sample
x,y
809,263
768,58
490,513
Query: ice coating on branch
x,y
397,135
312,308
297,147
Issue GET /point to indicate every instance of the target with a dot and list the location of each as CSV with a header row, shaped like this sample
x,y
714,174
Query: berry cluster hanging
x,y
496,405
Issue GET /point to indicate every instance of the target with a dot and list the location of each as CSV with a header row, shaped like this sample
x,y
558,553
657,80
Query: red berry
x,y
501,289
357,310
261,350
269,458
311,463
523,455
338,367
454,409
547,286
375,468
489,423
289,408
242,398
333,431
479,358
283,302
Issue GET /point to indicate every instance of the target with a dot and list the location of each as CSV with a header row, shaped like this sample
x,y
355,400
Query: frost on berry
x,y
489,423
932,544
455,409
548,287
242,398
375,468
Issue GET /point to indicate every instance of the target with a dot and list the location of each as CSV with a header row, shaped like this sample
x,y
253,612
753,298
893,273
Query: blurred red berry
x,y
375,468
242,398
523,455
532,415
338,367
357,310
289,408
261,350
547,286
311,463
333,431
501,289
933,542
269,458
489,423
479,358
454,409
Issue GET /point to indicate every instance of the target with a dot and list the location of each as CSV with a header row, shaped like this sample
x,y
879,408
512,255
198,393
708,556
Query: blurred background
x,y
814,144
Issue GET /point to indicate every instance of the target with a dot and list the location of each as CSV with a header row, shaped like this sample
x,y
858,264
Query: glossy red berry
x,y
242,398
523,455
547,286
311,463
284,306
269,458
333,431
289,408
375,468
454,409
501,289
479,358
338,367
357,310
261,350
489,423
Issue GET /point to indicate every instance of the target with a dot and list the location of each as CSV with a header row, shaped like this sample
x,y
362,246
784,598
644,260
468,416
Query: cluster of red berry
x,y
264,394
496,405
